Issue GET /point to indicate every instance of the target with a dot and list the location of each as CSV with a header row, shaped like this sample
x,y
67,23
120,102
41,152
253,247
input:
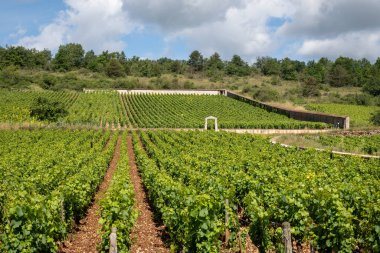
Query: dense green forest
x,y
111,69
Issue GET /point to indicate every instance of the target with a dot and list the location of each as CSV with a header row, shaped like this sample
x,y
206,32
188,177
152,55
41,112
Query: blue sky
x,y
299,29
25,16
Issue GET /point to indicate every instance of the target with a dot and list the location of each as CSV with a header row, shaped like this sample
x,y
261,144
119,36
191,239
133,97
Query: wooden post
x,y
113,241
227,221
287,236
62,211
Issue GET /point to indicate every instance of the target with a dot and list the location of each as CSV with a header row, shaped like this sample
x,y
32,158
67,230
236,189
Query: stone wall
x,y
165,92
337,121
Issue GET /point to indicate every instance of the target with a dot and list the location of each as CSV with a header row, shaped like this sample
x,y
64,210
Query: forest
x,y
343,72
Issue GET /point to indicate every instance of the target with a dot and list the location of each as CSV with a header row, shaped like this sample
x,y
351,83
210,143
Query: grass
x,y
369,145
359,115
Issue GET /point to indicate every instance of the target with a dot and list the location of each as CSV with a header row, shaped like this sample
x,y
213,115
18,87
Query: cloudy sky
x,y
299,29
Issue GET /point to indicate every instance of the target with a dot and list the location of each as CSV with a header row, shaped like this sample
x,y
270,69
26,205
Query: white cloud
x,y
243,31
20,32
325,18
312,28
96,24
333,28
355,45
174,15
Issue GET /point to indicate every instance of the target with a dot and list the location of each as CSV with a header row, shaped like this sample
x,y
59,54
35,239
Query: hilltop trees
x,y
114,68
24,58
69,57
268,66
342,72
237,67
196,61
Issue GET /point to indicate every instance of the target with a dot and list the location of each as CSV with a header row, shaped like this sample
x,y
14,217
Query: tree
x,y
196,61
237,67
177,67
339,76
114,68
268,66
215,62
24,58
289,69
319,70
42,58
373,85
310,87
69,57
44,109
90,61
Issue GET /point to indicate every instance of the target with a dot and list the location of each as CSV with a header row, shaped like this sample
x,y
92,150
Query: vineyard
x,y
15,105
147,111
189,111
201,191
48,178
98,109
359,115
332,202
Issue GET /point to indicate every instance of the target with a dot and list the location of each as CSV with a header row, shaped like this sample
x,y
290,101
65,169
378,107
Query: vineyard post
x,y
287,237
227,220
62,210
113,241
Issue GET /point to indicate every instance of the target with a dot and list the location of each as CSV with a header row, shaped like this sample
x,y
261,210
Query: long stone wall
x,y
337,121
161,92
165,92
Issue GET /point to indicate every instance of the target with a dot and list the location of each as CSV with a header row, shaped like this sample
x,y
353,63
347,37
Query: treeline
x,y
343,71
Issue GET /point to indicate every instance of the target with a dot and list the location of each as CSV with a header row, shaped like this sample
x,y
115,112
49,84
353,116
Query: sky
x,y
298,29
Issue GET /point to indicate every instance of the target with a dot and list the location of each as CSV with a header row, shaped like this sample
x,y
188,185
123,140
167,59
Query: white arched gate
x,y
212,118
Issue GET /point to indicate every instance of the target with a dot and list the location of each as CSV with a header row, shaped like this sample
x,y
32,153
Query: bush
x,y
275,80
115,69
359,99
43,109
48,82
266,94
12,77
375,119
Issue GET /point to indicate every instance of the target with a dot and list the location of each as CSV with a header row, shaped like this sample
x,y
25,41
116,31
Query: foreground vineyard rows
x,y
331,202
49,177
148,111
47,181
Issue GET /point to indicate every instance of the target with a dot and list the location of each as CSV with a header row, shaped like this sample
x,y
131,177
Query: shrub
x,y
48,82
375,119
43,109
275,80
266,94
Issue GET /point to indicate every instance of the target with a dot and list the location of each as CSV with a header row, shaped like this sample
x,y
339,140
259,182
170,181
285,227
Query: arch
x,y
212,118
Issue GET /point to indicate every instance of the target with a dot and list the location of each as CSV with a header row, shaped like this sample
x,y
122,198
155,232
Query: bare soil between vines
x,y
86,239
147,235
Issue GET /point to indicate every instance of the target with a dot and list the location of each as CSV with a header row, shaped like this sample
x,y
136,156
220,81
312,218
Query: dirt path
x,y
146,235
86,238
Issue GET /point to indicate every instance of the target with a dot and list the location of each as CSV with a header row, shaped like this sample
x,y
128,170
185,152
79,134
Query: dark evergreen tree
x,y
196,61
